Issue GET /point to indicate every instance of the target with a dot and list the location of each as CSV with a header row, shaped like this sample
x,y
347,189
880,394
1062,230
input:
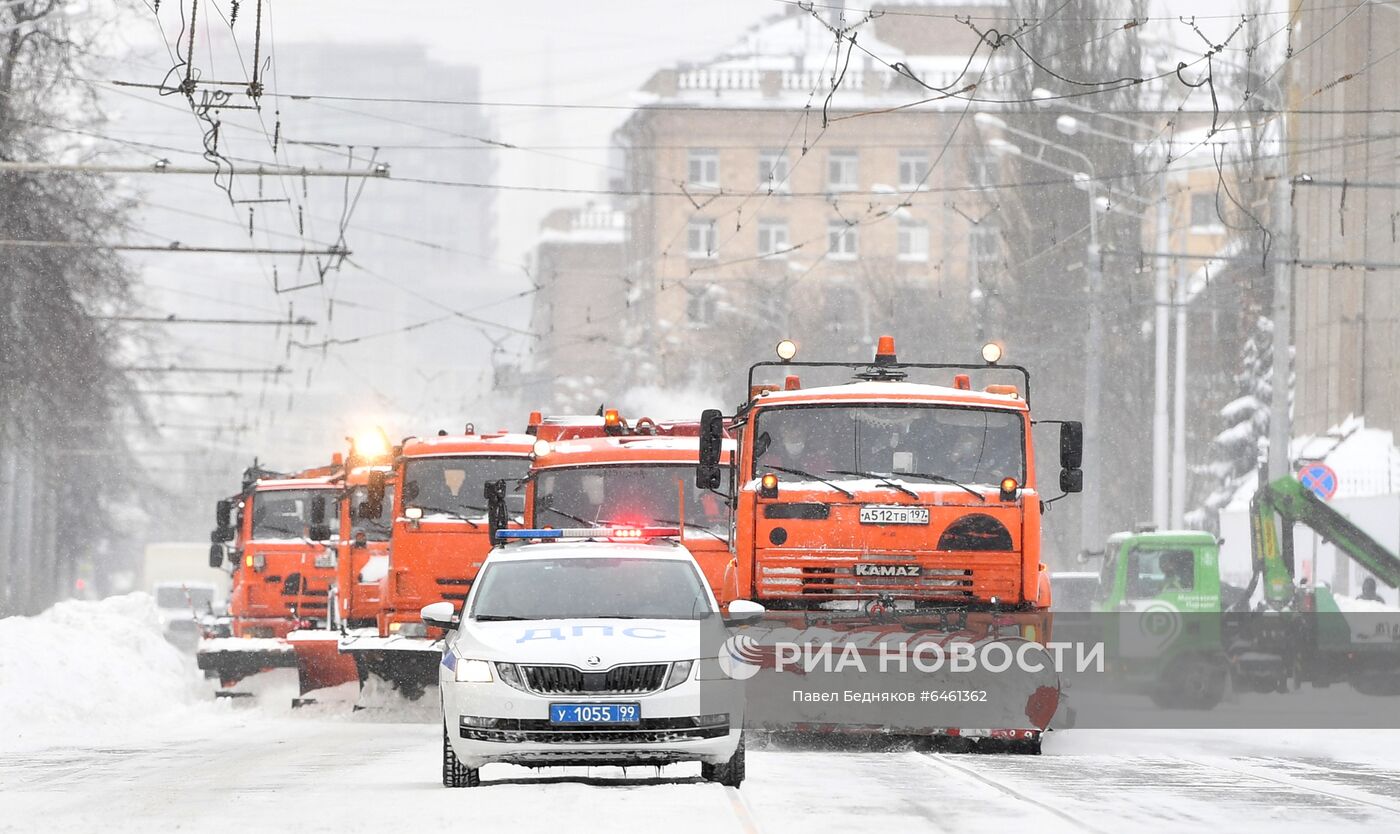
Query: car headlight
x,y
680,673
473,671
510,674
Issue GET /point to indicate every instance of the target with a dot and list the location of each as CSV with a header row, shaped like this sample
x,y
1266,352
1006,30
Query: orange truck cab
x,y
362,548
633,481
438,538
281,570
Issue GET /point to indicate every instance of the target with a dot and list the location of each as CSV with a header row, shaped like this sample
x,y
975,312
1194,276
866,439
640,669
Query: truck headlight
x,y
680,673
473,671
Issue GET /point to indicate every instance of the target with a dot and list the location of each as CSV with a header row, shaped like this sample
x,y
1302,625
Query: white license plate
x,y
894,515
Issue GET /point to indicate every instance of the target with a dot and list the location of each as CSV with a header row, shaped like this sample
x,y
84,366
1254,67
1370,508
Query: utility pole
x,y
1161,295
1284,255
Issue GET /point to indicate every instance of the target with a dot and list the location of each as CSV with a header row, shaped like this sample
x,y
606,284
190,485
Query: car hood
x,y
573,641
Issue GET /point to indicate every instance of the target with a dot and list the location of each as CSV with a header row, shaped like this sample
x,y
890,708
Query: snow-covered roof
x,y
587,225
782,60
1366,461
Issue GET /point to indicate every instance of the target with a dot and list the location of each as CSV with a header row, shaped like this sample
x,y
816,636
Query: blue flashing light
x,y
621,533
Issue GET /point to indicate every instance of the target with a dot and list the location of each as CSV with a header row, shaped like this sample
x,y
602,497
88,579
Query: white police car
x,y
587,650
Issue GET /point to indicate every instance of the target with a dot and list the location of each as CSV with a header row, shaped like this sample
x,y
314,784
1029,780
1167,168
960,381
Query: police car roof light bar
x,y
614,533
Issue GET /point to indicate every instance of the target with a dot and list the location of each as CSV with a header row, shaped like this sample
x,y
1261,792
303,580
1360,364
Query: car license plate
x,y
893,515
594,714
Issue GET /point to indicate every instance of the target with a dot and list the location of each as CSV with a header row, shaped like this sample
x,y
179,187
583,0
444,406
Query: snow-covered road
x,y
251,771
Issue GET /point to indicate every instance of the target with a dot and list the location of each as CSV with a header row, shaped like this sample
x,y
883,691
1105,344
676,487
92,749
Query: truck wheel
x,y
454,773
731,773
1200,683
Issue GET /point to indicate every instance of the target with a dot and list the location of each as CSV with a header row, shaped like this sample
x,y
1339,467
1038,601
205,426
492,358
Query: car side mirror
x,y
216,556
744,611
319,531
707,473
439,615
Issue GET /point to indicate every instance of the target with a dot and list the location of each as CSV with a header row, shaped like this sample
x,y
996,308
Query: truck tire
x,y
731,773
1192,682
454,773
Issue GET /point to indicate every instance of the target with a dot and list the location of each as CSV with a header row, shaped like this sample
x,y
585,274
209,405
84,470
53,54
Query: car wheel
x,y
731,773
454,773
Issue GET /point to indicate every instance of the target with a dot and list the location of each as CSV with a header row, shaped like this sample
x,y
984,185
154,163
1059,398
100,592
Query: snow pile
x,y
83,665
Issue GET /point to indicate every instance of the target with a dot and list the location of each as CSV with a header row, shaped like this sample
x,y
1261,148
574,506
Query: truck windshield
x,y
455,487
547,589
967,445
649,494
286,513
375,529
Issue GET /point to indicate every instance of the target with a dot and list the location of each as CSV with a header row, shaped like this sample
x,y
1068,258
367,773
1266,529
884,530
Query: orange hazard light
x,y
962,382
768,485
884,351
1008,489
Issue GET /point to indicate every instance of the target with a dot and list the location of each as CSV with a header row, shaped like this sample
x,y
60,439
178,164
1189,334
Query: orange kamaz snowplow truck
x,y
635,475
438,540
271,536
901,504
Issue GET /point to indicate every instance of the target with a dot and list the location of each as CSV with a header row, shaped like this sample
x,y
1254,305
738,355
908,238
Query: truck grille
x,y
566,680
981,576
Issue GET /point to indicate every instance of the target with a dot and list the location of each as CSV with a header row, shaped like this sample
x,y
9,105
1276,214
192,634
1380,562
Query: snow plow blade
x,y
231,659
319,661
409,664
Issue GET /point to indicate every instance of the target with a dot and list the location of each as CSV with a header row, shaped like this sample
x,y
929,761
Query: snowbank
x,y
83,666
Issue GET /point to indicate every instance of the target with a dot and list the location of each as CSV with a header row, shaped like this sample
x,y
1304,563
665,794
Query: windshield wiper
x,y
699,527
883,479
454,513
943,479
799,473
572,517
275,529
497,618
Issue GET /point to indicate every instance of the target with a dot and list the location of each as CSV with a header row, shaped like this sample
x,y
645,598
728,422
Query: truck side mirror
x,y
373,505
1071,444
497,518
319,531
223,522
216,556
1071,480
707,474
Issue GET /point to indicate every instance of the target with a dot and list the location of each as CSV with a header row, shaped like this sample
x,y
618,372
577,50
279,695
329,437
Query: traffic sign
x,y
1320,479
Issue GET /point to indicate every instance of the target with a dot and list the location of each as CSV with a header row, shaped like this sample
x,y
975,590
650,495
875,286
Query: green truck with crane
x,y
1169,583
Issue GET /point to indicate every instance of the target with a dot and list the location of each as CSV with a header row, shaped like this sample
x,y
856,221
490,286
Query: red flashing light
x,y
962,382
792,383
642,533
884,351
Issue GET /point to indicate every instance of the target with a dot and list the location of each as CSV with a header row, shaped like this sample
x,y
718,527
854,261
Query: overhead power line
x,y
300,321
172,247
176,369
379,171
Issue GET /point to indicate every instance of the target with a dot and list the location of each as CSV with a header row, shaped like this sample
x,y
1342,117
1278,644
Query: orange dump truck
x,y
636,480
890,500
271,537
439,537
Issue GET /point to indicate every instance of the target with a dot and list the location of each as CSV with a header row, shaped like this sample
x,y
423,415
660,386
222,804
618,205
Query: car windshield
x,y
455,486
635,495
175,596
967,445
375,529
545,589
286,513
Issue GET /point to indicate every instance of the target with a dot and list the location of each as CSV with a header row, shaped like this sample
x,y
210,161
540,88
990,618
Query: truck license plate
x,y
594,714
893,515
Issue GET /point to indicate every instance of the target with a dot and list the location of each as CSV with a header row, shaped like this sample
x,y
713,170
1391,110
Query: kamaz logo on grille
x,y
888,570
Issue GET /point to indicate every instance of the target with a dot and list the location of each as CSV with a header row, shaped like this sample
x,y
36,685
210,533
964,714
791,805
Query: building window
x,y
700,306
982,168
913,169
700,239
1203,211
842,241
703,169
773,238
842,173
773,171
913,240
984,250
